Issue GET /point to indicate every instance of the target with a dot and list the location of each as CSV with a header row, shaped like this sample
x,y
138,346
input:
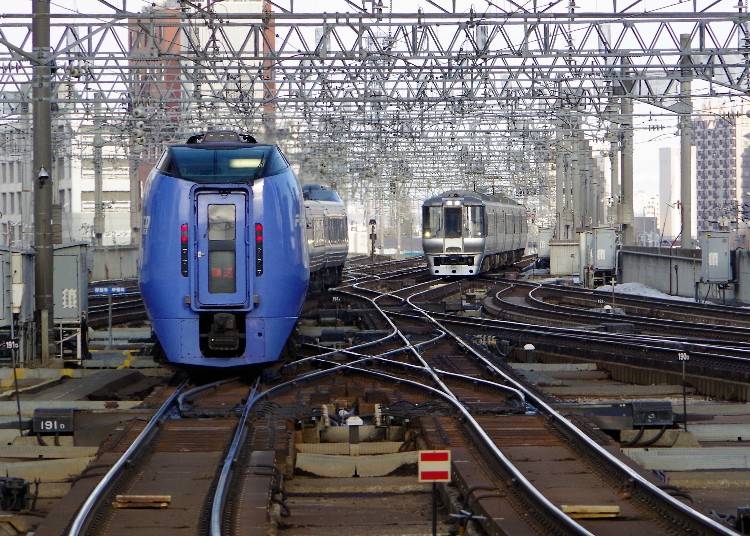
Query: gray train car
x,y
326,233
467,233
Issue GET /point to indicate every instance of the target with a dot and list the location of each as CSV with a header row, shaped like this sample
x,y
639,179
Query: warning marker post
x,y
434,466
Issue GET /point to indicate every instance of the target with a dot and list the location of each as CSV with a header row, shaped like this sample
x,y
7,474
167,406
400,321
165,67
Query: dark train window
x,y
222,277
426,220
206,164
453,222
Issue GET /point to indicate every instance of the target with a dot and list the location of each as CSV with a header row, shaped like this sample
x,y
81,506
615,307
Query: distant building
x,y
646,230
722,146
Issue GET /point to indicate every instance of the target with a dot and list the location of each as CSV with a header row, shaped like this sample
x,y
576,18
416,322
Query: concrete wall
x,y
114,262
655,268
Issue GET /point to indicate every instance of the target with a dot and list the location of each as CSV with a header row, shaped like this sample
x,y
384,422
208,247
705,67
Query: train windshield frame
x,y
217,163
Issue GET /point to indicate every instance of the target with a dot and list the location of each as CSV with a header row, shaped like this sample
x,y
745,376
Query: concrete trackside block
x,y
28,452
27,407
724,480
690,459
375,484
670,438
7,380
45,470
351,449
348,466
721,432
554,367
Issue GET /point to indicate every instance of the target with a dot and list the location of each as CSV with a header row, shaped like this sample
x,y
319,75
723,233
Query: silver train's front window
x,y
432,222
474,221
453,222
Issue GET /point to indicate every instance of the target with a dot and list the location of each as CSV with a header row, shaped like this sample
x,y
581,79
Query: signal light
x,y
258,249
184,249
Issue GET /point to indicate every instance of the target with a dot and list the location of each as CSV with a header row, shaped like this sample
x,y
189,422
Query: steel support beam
x,y
42,119
686,175
626,188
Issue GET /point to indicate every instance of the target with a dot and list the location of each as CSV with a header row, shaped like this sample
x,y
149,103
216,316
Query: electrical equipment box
x,y
545,235
585,245
6,288
716,266
604,248
22,262
652,413
564,255
71,282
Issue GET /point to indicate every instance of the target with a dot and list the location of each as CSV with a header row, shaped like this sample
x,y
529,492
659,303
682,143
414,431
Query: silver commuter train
x,y
327,234
466,233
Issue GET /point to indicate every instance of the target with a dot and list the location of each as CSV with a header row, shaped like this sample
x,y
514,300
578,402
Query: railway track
x,y
717,368
508,441
173,455
580,307
659,308
517,461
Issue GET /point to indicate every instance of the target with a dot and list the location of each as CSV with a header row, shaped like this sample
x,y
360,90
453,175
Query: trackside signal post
x,y
434,466
373,238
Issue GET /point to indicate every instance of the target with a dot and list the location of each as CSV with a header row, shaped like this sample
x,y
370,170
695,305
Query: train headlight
x,y
427,234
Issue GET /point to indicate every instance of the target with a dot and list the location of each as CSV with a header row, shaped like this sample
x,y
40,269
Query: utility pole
x,y
98,143
42,119
626,193
686,109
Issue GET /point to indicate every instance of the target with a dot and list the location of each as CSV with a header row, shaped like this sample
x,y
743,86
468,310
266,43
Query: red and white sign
x,y
434,466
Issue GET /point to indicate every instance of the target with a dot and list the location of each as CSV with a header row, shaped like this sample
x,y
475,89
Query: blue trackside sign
x,y
108,291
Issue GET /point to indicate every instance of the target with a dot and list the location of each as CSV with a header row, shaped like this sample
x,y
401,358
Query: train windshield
x,y
221,164
474,221
432,222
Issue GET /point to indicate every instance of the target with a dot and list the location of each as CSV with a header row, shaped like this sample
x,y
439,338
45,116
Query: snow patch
x,y
639,289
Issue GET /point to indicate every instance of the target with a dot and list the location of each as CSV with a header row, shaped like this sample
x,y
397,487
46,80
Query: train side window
x,y
475,224
318,233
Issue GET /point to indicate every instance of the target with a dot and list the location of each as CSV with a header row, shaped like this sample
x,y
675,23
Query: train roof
x,y
471,196
220,136
318,192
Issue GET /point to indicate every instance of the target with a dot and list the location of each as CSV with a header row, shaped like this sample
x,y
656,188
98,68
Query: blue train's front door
x,y
222,250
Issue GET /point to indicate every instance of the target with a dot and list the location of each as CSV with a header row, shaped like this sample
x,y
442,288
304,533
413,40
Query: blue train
x,y
224,255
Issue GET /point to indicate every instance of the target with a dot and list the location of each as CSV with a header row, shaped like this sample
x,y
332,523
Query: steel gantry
x,y
391,101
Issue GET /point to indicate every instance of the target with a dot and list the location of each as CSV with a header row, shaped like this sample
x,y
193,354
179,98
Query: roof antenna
x,y
475,185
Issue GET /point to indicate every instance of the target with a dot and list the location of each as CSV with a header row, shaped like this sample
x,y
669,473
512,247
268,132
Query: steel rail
x,y
667,323
648,342
420,368
676,303
222,485
567,522
83,516
550,508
